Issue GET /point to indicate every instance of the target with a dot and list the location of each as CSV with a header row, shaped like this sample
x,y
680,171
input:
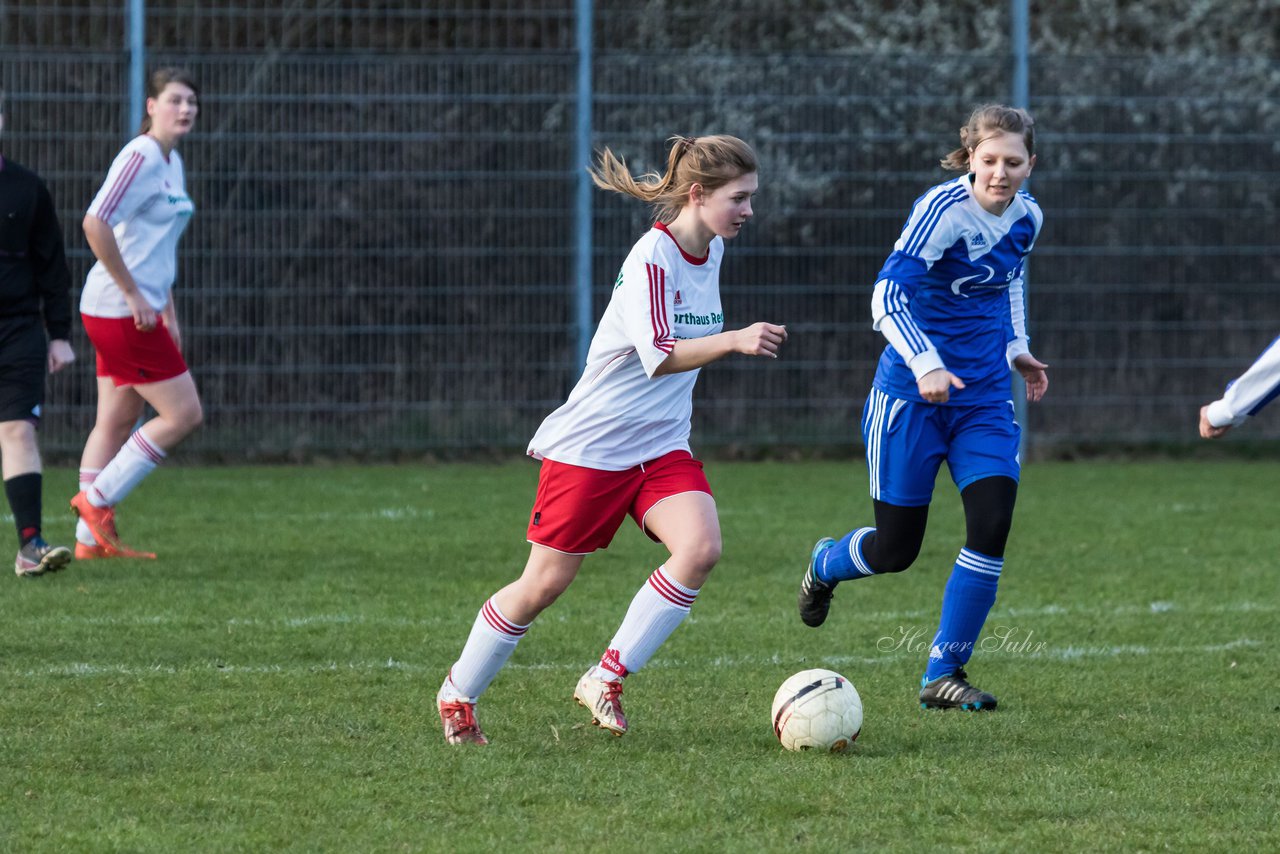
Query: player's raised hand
x,y
761,339
935,386
1033,374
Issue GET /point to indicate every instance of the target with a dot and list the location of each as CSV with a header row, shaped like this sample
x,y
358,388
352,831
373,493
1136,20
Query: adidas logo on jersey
x,y
678,300
978,240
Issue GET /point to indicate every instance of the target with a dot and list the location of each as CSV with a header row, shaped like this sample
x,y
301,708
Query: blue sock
x,y
844,560
970,593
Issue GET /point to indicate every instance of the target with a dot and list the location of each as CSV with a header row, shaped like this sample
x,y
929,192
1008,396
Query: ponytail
x,y
711,161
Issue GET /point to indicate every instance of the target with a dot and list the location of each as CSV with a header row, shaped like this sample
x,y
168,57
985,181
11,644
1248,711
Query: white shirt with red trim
x,y
144,200
619,415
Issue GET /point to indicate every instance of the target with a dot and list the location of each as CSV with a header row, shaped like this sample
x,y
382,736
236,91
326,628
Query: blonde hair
x,y
711,161
985,122
161,78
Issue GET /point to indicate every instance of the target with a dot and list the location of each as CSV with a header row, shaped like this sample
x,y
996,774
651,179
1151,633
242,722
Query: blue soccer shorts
x,y
908,441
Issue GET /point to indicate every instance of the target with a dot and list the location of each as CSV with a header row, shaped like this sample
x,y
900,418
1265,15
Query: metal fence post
x,y
582,199
1019,39
137,46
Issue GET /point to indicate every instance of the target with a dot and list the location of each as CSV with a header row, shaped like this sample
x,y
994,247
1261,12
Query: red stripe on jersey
x,y
662,339
500,623
127,174
670,592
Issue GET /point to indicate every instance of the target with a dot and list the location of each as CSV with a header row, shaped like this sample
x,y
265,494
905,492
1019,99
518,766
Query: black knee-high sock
x,y
24,494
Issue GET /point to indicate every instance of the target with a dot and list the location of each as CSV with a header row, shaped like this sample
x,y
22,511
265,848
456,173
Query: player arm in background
x,y
124,193
650,318
53,279
1245,395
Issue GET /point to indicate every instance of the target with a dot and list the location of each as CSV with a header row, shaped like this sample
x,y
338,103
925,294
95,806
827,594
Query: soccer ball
x,y
817,710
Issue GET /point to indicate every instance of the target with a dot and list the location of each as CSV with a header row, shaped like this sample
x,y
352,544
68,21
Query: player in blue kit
x,y
950,302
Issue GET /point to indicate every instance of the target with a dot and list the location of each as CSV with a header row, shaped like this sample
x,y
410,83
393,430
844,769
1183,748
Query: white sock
x,y
83,534
137,459
493,638
659,606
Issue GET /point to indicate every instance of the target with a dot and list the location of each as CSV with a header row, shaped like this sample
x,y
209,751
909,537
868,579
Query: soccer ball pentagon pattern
x,y
817,710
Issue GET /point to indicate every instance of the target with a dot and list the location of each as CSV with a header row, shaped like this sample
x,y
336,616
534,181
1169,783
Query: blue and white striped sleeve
x,y
1251,391
1021,342
924,238
891,316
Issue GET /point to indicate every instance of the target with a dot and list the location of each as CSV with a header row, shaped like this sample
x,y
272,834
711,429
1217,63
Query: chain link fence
x,y
382,260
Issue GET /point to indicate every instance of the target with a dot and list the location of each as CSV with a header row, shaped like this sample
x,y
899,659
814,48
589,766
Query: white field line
x,y
1070,653
391,514
306,621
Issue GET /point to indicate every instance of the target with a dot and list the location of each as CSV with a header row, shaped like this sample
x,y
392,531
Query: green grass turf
x,y
269,683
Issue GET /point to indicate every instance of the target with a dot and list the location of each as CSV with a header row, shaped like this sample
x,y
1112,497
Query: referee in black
x,y
35,296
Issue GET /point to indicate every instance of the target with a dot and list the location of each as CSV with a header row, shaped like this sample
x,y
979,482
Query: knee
x,y
704,554
539,597
889,556
17,434
182,421
190,417
897,561
988,538
541,589
989,533
117,425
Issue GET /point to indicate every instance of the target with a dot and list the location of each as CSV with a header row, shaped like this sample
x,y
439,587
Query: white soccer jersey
x,y
1251,391
619,415
144,200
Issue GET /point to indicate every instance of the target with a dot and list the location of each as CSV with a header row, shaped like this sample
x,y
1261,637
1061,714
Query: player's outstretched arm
x,y
758,339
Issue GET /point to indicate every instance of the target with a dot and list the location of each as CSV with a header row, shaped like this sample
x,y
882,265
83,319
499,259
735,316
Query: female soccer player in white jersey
x,y
620,445
133,226
949,300
1245,395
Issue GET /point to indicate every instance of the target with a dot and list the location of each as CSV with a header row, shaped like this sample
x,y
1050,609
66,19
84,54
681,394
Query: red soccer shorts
x,y
578,510
130,356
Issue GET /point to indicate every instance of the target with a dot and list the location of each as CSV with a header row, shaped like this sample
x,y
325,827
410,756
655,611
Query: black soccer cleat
x,y
815,596
955,692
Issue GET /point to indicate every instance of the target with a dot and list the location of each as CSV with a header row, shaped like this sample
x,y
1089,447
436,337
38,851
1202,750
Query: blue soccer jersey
x,y
951,294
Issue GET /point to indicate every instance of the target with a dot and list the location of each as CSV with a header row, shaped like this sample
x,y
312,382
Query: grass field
x,y
269,683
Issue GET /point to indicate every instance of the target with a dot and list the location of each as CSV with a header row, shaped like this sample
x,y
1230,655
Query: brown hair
x,y
985,122
711,161
161,78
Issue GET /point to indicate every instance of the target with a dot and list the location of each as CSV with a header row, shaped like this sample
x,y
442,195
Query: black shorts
x,y
23,354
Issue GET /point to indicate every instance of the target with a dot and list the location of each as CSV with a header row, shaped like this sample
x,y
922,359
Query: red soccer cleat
x,y
101,520
84,552
102,524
